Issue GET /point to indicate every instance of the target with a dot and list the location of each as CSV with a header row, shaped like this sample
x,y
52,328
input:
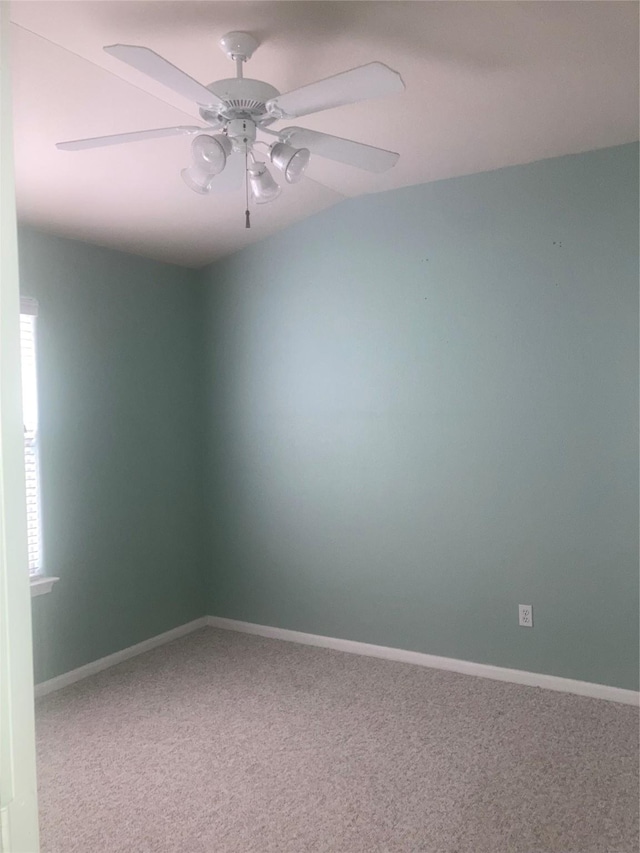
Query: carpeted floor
x,y
227,743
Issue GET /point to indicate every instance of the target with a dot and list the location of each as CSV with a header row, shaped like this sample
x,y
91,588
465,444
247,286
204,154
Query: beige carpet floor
x,y
227,743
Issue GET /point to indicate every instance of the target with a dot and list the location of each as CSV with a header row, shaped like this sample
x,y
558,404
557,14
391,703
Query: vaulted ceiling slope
x,y
488,84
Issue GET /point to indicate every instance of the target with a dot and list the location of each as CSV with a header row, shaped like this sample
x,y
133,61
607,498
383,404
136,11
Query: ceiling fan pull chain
x,y
247,221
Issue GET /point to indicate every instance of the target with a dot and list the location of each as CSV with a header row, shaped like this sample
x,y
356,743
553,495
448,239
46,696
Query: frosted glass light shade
x,y
209,159
291,161
197,179
263,187
211,152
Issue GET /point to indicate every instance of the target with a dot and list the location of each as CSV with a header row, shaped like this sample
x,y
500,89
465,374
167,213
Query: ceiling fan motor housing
x,y
243,97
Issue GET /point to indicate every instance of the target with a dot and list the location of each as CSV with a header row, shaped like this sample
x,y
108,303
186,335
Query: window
x,y
28,317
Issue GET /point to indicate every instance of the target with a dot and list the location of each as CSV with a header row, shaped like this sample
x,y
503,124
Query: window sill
x,y
41,584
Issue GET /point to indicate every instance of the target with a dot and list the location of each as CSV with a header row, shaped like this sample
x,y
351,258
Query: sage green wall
x,y
423,410
120,390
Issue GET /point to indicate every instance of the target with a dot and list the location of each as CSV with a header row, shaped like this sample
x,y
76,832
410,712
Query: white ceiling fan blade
x,y
359,84
343,150
119,138
160,69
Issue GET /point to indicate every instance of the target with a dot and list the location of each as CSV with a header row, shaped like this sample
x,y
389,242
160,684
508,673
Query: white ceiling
x,y
488,84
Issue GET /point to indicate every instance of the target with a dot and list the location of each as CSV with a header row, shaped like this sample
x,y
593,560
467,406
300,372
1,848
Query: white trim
x,y
483,670
95,666
41,584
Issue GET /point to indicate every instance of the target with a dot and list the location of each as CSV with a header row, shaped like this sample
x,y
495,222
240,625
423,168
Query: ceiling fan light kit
x,y
239,108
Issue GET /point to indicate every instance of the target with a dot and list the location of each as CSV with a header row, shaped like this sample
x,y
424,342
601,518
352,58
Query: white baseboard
x,y
88,669
483,670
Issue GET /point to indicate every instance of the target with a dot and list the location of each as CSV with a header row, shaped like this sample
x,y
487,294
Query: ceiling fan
x,y
236,109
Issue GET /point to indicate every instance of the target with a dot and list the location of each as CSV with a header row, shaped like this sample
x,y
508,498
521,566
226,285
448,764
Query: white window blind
x,y
28,317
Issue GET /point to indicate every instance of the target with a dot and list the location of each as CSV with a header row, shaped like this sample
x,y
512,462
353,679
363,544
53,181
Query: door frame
x,y
18,788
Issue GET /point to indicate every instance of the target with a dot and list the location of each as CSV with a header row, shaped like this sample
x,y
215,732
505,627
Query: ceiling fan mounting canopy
x,y
240,107
238,45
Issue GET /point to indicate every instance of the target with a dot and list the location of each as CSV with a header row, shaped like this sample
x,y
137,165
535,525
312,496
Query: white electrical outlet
x,y
525,616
